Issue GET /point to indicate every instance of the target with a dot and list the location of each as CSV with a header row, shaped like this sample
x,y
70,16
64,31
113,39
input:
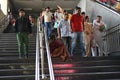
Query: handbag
x,y
56,25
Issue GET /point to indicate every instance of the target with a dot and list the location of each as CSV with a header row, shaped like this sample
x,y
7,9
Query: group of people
x,y
64,30
114,3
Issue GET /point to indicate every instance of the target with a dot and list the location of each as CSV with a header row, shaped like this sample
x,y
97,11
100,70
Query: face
x,y
79,11
88,19
58,10
66,17
21,13
47,9
99,18
30,18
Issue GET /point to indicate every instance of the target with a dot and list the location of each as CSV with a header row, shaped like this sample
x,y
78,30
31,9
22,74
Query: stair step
x,y
18,77
15,72
88,76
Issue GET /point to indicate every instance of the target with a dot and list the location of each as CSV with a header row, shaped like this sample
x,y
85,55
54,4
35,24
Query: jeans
x,y
67,42
48,26
82,46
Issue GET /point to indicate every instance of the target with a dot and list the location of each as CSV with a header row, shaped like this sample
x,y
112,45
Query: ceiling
x,y
35,6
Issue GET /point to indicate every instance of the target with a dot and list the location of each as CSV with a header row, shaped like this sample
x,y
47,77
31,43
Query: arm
x,y
29,26
71,23
16,24
58,30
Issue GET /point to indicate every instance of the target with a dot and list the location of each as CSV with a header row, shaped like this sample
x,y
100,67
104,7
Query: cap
x,y
21,10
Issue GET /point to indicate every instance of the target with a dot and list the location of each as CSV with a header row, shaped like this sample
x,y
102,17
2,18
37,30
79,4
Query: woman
x,y
87,35
57,48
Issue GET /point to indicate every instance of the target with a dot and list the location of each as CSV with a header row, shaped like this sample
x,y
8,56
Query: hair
x,y
86,17
47,8
83,13
21,10
77,8
99,16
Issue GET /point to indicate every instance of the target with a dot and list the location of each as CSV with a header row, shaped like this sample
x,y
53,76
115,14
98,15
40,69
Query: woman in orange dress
x,y
58,49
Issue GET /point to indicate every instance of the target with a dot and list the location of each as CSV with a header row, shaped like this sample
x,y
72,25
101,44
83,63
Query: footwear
x,y
20,57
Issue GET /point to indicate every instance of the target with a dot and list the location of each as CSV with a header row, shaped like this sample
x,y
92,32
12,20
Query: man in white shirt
x,y
64,31
47,15
97,27
58,17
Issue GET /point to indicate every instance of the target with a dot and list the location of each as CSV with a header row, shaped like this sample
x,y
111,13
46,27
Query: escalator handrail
x,y
51,72
37,68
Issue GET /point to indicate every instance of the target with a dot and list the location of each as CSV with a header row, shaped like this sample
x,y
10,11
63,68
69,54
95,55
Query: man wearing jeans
x,y
47,15
23,28
77,25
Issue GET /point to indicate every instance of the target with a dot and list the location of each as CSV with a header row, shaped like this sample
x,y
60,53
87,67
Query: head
x,y
47,9
58,10
87,19
66,16
99,18
83,13
65,12
21,12
30,17
78,10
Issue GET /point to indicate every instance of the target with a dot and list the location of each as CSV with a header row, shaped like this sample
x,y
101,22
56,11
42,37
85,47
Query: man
x,y
77,25
58,17
64,31
47,15
23,29
98,26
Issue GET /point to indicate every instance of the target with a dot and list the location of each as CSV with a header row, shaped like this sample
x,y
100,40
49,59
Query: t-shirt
x,y
77,23
59,16
47,16
65,28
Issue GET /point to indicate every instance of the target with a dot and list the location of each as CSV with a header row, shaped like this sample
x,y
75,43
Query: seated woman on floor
x,y
57,48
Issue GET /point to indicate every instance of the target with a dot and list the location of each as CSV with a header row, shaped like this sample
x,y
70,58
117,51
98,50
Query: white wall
x,y
82,5
93,9
4,6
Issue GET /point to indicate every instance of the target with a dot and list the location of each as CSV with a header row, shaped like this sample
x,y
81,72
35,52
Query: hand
x,y
31,35
87,32
92,37
59,37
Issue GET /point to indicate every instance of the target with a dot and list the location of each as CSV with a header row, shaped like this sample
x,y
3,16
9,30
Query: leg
x,y
69,43
73,44
26,42
82,45
64,39
49,29
88,50
20,44
100,47
46,25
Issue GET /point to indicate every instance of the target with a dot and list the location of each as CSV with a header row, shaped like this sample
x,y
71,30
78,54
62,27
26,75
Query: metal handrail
x,y
51,72
37,68
3,23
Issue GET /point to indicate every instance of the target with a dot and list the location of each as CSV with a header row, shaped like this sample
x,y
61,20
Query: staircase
x,y
87,68
11,67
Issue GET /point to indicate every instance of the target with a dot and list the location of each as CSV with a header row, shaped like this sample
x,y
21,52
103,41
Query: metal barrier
x,y
3,23
52,77
112,39
37,67
41,34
